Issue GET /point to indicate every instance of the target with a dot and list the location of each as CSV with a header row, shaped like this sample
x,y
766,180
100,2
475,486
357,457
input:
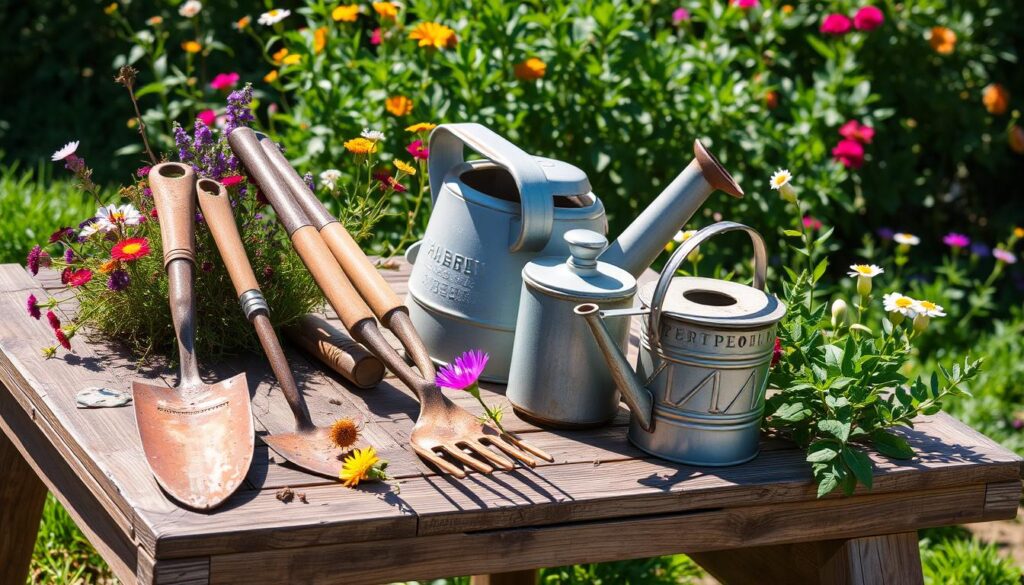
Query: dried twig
x,y
126,77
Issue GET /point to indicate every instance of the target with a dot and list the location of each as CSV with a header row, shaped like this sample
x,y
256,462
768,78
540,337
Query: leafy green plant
x,y
62,554
966,561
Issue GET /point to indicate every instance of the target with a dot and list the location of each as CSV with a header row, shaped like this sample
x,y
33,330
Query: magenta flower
x,y
744,4
955,240
224,81
143,171
33,307
207,117
777,352
680,15
33,259
854,130
850,153
1004,256
69,256
464,371
375,38
61,233
835,25
417,149
811,223
868,18
52,318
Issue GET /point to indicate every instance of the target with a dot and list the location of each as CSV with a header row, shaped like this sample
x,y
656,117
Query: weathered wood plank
x,y
891,559
526,548
527,577
22,495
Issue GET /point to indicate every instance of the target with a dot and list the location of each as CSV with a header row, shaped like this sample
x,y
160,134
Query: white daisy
x,y
781,178
329,178
274,16
190,8
372,135
89,230
895,302
682,236
66,151
109,217
906,239
865,270
929,309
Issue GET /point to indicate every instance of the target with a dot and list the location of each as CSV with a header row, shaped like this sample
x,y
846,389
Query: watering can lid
x,y
582,276
717,303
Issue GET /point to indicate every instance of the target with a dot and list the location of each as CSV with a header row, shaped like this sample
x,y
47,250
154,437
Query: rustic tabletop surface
x,y
601,499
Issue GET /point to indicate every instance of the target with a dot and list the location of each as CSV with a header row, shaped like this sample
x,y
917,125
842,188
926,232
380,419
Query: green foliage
x,y
962,560
62,554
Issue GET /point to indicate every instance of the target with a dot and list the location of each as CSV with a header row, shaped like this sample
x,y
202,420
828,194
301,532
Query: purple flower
x,y
464,371
981,250
1018,424
885,233
33,259
60,234
75,164
680,15
118,280
1004,256
308,180
69,255
202,135
33,307
239,110
184,143
955,240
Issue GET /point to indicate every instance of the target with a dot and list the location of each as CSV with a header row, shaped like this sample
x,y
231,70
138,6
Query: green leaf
x,y
793,412
793,233
819,270
860,464
821,452
839,430
827,483
891,445
821,48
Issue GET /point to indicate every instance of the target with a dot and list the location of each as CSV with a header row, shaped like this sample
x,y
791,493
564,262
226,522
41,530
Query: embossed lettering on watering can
x,y
697,396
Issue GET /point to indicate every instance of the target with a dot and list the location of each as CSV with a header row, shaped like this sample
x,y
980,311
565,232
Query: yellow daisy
x,y
357,466
345,13
398,105
271,77
405,167
191,46
361,146
421,127
433,35
386,10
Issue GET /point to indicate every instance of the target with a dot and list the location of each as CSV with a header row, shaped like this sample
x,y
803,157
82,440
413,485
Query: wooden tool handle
x,y
173,186
364,276
329,276
213,200
335,348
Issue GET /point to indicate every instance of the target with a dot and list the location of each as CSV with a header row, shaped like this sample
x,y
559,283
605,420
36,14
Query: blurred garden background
x,y
899,122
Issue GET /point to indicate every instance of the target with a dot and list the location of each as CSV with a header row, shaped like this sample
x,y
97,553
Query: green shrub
x,y
966,561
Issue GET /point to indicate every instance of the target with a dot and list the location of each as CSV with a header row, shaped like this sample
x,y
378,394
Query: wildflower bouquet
x,y
112,269
840,379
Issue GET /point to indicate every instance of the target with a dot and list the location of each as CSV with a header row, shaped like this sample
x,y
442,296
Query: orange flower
x,y
421,127
398,105
319,39
345,13
271,77
386,10
787,8
531,69
771,99
1016,140
110,266
996,99
191,46
111,8
361,146
434,35
155,20
943,40
242,23
279,55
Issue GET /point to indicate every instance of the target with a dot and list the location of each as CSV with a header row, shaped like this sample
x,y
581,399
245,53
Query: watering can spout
x,y
639,399
644,239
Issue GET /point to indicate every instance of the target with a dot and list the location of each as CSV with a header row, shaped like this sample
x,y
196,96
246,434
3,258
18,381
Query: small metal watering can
x,y
697,396
490,217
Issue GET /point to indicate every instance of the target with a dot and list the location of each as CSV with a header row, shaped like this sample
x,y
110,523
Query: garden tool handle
x,y
447,143
360,271
305,238
337,349
687,248
213,200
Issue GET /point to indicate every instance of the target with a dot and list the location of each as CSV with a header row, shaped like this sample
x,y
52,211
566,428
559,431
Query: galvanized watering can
x,y
697,396
490,217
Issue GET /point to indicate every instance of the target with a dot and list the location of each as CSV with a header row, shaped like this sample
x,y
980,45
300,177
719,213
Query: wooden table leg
x,y
527,577
22,495
889,559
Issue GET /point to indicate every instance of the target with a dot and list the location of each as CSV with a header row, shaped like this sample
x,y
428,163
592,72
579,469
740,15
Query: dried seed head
x,y
344,432
126,76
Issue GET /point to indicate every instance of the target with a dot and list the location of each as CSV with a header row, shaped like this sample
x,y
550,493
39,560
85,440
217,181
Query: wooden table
x,y
601,500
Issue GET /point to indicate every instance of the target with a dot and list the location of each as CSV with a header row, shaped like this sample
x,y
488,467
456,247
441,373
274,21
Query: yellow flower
x,y
271,77
357,466
155,20
111,8
191,46
433,35
361,146
942,40
531,70
405,167
386,10
319,39
1018,232
242,23
132,122
279,55
292,59
421,127
399,105
345,13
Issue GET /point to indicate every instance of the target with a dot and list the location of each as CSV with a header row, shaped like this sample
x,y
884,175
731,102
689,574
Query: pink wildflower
x,y
375,38
418,150
854,130
835,25
464,371
956,241
224,81
680,15
811,223
1004,256
53,319
207,117
33,307
868,18
744,4
850,153
232,180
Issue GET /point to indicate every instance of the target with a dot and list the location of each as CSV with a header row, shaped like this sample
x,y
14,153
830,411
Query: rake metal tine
x,y
482,450
510,449
454,451
439,462
525,446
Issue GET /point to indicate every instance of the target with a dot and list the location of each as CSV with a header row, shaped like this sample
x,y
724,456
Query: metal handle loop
x,y
447,143
684,250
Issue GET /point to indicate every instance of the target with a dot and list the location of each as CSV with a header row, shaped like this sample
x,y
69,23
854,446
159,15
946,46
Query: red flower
x,y
33,307
418,150
854,130
207,117
232,180
53,320
776,352
130,249
62,339
812,223
835,25
65,276
224,81
868,18
80,277
850,153
60,234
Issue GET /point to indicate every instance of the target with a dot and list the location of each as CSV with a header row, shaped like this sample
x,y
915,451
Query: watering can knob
x,y
585,246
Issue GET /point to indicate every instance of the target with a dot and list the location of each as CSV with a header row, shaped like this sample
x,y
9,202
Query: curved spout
x,y
641,242
639,399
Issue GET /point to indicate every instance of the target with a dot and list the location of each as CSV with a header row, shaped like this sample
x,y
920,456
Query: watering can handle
x,y
684,250
447,143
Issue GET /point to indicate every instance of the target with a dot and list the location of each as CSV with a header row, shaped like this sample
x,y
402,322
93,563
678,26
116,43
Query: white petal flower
x,y
329,178
865,270
682,236
895,302
906,239
111,216
928,309
781,178
66,151
190,8
274,16
89,229
1004,256
373,135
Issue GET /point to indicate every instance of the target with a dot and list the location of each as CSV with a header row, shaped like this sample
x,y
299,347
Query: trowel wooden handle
x,y
173,186
329,276
337,349
213,200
